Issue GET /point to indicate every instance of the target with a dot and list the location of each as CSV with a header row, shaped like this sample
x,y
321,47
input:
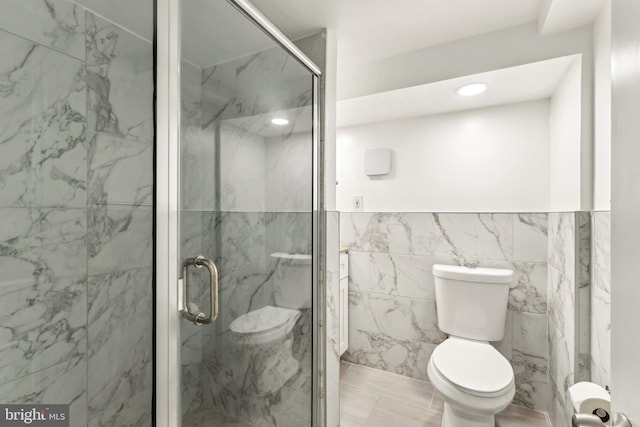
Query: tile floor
x,y
374,398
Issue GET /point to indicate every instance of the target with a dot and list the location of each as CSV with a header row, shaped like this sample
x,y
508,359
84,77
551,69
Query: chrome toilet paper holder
x,y
589,420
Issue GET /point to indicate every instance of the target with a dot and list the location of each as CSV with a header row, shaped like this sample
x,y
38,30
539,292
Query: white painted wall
x,y
565,146
507,48
602,110
330,91
485,160
625,208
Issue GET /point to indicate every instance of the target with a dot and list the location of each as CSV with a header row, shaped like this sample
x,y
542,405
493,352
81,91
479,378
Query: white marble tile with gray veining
x,y
562,242
242,170
197,146
288,166
119,238
120,316
465,237
57,24
240,237
288,232
600,337
474,237
530,293
530,334
530,234
42,244
62,242
601,260
190,389
399,317
583,243
561,310
198,171
266,81
226,372
120,170
18,239
403,275
43,324
64,383
561,359
386,232
381,351
19,153
533,389
120,81
43,113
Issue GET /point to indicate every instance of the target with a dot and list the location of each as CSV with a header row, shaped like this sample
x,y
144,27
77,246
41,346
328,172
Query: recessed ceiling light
x,y
472,89
279,122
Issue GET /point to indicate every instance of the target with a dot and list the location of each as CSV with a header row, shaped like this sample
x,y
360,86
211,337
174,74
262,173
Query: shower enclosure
x,y
138,143
246,207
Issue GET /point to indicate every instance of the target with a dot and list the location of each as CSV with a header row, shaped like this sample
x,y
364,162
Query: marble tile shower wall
x,y
257,203
76,146
601,298
392,312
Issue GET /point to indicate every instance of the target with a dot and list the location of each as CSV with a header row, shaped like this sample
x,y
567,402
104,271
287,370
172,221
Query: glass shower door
x,y
246,205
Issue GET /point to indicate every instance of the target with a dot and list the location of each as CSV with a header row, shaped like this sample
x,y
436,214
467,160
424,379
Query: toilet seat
x,y
264,320
473,367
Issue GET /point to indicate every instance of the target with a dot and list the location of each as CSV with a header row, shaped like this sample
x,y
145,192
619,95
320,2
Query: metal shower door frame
x,y
167,43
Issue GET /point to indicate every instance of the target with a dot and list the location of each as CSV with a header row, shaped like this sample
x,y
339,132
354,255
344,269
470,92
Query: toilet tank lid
x,y
468,274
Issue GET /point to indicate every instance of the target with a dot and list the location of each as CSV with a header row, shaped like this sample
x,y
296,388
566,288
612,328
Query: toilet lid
x,y
263,320
472,365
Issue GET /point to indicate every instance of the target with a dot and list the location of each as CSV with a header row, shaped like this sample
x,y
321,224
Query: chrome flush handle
x,y
200,318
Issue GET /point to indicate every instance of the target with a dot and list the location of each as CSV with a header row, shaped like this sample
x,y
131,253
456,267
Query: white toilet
x,y
271,325
474,379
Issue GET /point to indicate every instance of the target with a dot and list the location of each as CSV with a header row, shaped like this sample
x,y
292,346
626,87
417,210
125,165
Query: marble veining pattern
x,y
601,298
242,218
76,137
120,378
563,340
393,322
332,317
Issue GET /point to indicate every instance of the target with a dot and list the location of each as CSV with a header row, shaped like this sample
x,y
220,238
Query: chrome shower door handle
x,y
200,318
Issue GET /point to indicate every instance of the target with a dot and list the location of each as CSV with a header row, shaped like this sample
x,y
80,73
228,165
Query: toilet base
x,y
451,417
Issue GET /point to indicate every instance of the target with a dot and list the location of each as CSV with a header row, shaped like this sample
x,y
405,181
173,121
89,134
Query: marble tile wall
x,y
563,281
333,320
392,312
246,194
583,296
76,110
601,299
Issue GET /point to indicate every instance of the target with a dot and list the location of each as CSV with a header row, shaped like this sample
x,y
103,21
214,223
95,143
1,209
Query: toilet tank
x,y
472,302
292,280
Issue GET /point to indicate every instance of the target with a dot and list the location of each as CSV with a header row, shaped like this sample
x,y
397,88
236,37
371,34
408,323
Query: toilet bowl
x,y
475,380
266,326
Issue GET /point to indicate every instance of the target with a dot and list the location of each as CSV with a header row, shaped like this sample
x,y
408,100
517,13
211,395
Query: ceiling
x,y
367,30
523,83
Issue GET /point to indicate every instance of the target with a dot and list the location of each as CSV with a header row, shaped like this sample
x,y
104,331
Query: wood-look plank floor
x,y
374,398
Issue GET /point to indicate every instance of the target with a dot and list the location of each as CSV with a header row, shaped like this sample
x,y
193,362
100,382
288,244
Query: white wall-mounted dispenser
x,y
377,162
